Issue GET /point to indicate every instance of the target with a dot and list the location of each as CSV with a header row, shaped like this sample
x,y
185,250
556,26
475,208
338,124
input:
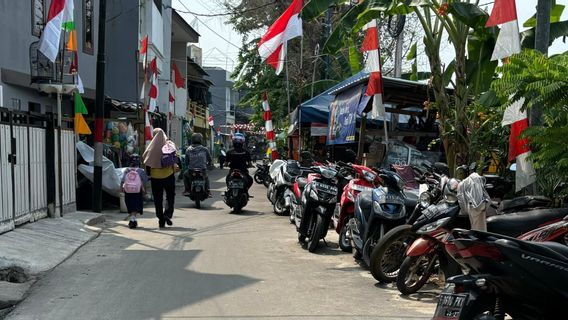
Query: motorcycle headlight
x,y
453,185
434,225
328,173
369,176
313,195
425,199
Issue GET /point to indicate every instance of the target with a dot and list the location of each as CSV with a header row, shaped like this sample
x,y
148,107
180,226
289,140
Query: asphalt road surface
x,y
214,265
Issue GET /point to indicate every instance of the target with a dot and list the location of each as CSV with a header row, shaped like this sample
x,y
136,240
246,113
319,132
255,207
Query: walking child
x,y
133,182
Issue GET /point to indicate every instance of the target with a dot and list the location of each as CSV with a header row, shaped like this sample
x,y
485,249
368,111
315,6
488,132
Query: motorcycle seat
x,y
302,182
523,202
514,224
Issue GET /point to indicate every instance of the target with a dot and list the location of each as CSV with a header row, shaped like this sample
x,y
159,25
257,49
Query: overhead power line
x,y
220,14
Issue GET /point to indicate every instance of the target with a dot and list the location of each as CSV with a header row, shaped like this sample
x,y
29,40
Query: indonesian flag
x,y
504,13
171,100
153,94
269,129
178,79
373,66
144,50
518,147
60,13
211,121
272,45
147,127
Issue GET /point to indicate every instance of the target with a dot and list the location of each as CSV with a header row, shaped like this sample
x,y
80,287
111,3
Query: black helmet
x,y
134,160
197,138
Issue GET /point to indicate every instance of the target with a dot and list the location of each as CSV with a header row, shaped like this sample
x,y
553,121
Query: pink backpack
x,y
132,182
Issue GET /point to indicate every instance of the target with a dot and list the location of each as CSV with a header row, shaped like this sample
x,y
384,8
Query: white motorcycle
x,y
279,192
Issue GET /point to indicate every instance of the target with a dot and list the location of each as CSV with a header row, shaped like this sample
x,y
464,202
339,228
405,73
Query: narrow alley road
x,y
213,265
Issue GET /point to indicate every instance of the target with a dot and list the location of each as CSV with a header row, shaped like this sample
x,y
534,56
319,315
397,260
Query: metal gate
x,y
24,165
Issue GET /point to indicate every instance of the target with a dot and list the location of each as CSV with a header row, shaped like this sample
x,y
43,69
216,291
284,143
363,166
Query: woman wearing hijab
x,y
161,178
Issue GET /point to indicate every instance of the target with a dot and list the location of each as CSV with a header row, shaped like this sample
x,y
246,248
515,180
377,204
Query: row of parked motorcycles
x,y
497,258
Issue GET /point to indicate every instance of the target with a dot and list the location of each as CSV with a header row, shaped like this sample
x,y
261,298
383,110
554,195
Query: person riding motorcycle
x,y
239,158
197,157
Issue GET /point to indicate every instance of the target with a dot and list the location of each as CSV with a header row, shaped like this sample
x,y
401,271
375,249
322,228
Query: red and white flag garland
x,y
519,149
272,45
370,46
269,129
153,94
504,13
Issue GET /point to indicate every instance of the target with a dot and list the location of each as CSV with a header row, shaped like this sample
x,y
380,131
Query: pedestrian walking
x,y
161,160
133,182
222,156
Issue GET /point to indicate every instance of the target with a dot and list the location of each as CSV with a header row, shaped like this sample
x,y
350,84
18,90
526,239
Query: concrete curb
x,y
36,248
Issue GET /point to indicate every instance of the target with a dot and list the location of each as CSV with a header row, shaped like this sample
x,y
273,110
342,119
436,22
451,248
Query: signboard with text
x,y
343,117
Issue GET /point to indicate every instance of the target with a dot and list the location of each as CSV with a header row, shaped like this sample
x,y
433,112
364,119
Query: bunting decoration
x,y
271,150
272,45
370,46
508,42
81,126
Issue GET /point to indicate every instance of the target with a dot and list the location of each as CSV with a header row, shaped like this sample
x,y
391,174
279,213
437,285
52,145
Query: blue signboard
x,y
343,116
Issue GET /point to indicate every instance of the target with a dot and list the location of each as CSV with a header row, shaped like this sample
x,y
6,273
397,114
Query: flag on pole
x,y
269,128
81,126
154,66
508,42
272,45
60,14
144,50
370,46
147,127
72,47
211,121
518,147
153,94
171,106
80,86
178,79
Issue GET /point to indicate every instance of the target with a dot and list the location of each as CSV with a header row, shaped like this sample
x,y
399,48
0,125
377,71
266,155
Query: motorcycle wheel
x,y
266,183
344,242
237,209
279,207
301,238
414,272
197,203
257,179
316,234
389,253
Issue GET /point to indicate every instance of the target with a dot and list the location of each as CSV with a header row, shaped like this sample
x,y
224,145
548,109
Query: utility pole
x,y
99,112
398,55
541,44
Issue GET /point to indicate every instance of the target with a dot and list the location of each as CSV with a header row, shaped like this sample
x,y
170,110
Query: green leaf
x,y
449,72
469,14
480,69
412,53
419,3
315,8
414,75
401,9
555,14
342,31
355,58
557,30
489,99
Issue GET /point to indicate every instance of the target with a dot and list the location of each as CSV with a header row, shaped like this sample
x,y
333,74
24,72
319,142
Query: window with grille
x,y
88,35
38,17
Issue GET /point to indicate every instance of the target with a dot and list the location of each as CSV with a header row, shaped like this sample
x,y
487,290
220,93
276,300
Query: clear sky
x,y
218,40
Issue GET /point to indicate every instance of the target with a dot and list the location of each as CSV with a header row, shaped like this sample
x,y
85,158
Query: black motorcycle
x,y
261,176
236,196
525,280
376,212
318,200
197,192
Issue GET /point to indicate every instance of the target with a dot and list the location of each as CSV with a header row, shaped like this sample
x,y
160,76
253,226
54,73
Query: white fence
x,y
23,174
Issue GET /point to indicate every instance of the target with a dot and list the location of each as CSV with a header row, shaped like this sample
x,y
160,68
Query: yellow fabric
x,y
72,43
161,173
81,127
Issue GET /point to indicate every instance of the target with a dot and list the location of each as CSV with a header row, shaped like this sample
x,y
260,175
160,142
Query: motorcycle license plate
x,y
325,188
450,306
198,183
236,184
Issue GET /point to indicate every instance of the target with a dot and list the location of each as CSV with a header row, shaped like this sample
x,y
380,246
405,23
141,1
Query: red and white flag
x,y
211,121
370,46
178,79
269,128
144,50
508,42
519,147
171,106
147,127
153,94
60,12
272,45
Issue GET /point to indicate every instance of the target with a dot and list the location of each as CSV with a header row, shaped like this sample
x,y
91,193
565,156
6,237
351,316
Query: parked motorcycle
x,y
273,172
365,180
318,199
282,188
197,192
525,280
236,196
376,212
261,175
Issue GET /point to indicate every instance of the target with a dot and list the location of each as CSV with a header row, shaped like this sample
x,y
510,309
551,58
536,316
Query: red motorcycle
x,y
365,180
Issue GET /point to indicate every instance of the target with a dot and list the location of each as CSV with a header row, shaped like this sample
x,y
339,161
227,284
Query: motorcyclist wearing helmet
x,y
197,157
239,158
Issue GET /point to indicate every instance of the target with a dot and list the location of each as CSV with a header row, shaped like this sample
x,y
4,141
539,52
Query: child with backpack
x,y
133,182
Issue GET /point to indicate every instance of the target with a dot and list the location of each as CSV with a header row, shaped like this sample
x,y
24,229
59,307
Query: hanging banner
x,y
319,129
343,117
